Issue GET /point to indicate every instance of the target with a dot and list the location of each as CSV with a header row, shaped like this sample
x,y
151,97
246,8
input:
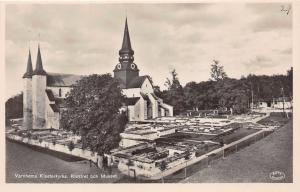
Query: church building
x,y
44,92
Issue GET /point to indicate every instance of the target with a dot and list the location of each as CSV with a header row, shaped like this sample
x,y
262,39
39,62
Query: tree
x,y
217,71
175,93
92,110
14,107
71,146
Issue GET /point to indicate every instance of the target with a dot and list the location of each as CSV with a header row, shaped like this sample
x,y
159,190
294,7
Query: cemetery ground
x,y
253,163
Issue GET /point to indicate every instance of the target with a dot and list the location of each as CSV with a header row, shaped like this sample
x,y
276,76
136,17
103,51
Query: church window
x,y
59,92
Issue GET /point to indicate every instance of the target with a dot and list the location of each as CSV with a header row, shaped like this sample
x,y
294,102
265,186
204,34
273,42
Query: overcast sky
x,y
85,39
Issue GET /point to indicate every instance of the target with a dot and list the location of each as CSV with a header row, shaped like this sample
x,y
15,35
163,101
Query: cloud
x,y
86,38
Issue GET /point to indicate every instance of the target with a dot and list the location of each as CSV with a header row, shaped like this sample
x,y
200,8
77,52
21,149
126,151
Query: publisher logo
x,y
277,175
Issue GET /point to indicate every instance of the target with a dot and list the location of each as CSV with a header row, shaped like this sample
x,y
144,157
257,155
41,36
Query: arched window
x,y
59,92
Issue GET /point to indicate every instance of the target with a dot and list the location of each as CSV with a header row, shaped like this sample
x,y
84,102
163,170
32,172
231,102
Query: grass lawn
x,y
253,163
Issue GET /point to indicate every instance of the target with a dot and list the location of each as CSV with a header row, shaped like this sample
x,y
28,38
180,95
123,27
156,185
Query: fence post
x,y
223,153
236,149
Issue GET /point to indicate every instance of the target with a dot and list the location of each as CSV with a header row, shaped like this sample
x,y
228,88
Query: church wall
x,y
39,101
134,111
169,108
147,87
135,92
27,103
52,118
142,109
154,106
64,91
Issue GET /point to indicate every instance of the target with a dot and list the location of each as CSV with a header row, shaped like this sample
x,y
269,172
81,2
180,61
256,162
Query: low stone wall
x,y
86,154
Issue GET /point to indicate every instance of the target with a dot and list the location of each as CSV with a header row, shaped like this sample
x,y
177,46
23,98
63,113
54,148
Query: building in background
x,y
44,92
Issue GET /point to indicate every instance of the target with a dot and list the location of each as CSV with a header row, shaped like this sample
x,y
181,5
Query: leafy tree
x,y
92,110
175,93
14,107
217,71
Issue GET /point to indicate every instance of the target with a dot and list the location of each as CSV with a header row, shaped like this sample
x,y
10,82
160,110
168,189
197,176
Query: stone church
x,y
44,92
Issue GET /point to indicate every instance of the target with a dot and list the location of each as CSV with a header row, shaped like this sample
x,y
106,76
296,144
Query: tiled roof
x,y
137,82
62,80
132,100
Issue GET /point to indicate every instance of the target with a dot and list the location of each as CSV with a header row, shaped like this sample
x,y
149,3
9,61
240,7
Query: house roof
x,y
137,82
131,100
62,80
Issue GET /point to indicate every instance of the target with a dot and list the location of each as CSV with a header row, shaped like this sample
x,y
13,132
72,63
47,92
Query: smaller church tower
x,y
39,78
27,95
126,70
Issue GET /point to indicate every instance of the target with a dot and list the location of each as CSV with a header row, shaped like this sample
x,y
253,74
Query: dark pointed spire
x,y
28,73
126,45
126,53
39,65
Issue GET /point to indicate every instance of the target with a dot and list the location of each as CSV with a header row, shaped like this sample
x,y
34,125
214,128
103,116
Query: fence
x,y
194,165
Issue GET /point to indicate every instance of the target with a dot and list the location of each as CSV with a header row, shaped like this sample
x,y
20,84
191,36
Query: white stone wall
x,y
141,169
146,87
52,118
27,103
154,106
143,109
169,108
39,101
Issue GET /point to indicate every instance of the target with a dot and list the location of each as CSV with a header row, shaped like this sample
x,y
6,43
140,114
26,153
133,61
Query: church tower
x,y
39,79
126,70
27,95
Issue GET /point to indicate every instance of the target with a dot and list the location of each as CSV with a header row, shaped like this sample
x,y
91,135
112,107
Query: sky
x,y
85,39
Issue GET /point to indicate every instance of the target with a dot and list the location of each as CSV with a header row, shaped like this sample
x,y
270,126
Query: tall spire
x,y
126,52
28,73
39,65
126,45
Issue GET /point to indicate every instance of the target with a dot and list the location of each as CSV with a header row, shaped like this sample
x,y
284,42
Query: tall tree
x,y
175,93
14,107
92,110
217,71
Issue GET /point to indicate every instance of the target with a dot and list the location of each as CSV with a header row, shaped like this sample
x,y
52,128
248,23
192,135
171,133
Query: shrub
x,y
71,146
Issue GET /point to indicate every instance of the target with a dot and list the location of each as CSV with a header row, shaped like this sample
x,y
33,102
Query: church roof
x,y
28,73
137,82
131,100
54,107
126,45
62,80
50,95
39,70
